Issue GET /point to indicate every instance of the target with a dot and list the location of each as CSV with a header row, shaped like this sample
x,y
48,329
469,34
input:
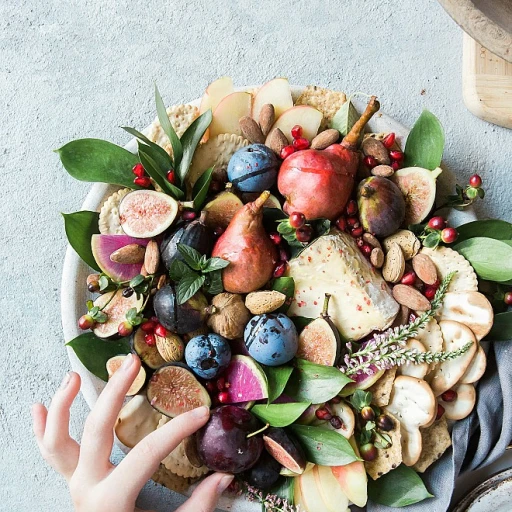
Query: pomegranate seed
x,y
86,322
475,181
279,270
283,254
188,215
352,208
297,220
395,166
143,181
370,161
353,222
366,249
396,156
507,299
161,331
360,242
449,396
437,223
429,292
336,422
221,383
449,235
300,143
357,232
436,284
138,170
304,233
296,131
210,386
389,140
218,231
154,319
440,411
286,152
409,278
171,177
223,397
341,224
150,339
275,237
323,414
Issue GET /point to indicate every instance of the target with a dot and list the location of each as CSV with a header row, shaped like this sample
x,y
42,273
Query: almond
x,y
129,254
152,257
267,118
407,240
277,141
325,139
384,171
375,148
394,265
262,302
377,257
162,280
371,240
410,297
251,130
170,347
425,268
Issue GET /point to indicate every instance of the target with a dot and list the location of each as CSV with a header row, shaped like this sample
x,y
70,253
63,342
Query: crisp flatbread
x,y
435,441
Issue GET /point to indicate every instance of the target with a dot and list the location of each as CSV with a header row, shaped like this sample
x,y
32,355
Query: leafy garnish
x,y
201,187
345,118
277,378
490,228
502,327
165,123
280,415
286,286
80,226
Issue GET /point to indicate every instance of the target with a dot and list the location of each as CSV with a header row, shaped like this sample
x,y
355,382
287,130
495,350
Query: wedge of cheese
x,y
361,301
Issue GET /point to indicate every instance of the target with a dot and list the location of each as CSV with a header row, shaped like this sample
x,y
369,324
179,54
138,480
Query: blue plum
x,y
253,168
271,339
208,355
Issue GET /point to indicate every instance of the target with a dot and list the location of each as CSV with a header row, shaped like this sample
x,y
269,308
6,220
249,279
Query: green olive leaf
x,y
491,228
156,152
80,226
165,123
98,160
277,378
398,488
201,188
280,415
425,144
188,286
94,352
501,328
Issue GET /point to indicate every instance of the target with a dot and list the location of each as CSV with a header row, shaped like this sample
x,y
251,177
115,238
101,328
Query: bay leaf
x,y
80,226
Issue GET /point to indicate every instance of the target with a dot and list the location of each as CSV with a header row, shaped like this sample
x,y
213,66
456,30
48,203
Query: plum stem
x,y
351,140
262,429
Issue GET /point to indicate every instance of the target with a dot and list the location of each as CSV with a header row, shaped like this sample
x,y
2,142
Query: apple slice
x,y
216,92
297,496
304,115
228,113
278,93
330,489
310,493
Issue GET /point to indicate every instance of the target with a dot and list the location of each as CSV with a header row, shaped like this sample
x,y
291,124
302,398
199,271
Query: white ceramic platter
x,y
74,293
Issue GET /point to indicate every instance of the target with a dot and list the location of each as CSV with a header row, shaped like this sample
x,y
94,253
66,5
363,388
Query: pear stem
x,y
262,429
258,203
351,140
326,305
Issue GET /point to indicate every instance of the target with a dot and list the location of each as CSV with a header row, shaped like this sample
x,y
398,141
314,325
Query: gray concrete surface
x,y
84,68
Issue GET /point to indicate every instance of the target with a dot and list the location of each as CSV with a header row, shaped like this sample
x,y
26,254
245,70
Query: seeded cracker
x,y
173,482
435,441
326,101
109,223
381,390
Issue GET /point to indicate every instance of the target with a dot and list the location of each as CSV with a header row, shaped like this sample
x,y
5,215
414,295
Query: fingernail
x,y
201,412
65,380
224,483
128,361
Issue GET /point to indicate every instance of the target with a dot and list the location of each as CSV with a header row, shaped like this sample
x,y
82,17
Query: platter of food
x,y
292,258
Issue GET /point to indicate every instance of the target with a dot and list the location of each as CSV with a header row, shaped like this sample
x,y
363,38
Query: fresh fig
x,y
148,354
381,206
173,390
147,213
265,473
285,449
114,363
222,208
195,234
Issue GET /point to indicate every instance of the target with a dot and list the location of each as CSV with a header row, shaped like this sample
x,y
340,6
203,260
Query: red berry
x,y
396,156
357,232
389,140
341,224
300,143
150,339
125,328
323,414
336,422
475,181
367,413
429,292
283,254
366,249
218,231
304,233
440,411
223,397
385,423
370,161
368,452
161,331
221,383
275,237
352,208
296,131
353,222
449,396
86,322
279,270
210,386
297,220
409,278
449,235
171,177
148,326
507,299
437,223
143,181
188,215
395,166
138,170
286,152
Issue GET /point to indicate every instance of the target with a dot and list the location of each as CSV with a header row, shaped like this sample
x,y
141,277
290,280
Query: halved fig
x,y
114,363
115,307
285,449
222,208
148,354
173,390
147,213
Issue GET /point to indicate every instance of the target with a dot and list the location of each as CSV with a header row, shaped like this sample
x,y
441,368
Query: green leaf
x,y
201,187
398,488
191,256
156,152
324,447
321,226
285,285
215,264
80,226
300,322
432,240
215,283
94,352
179,270
190,140
425,143
491,259
345,118
492,228
360,399
315,383
285,229
284,488
277,378
135,281
98,160
279,415
177,148
502,327
188,286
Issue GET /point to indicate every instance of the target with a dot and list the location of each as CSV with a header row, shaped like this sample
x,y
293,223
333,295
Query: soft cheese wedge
x,y
361,301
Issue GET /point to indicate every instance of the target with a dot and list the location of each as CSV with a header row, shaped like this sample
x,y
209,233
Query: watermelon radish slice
x,y
247,381
104,245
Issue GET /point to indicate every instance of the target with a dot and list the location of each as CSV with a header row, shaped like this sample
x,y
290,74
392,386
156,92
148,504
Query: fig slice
x,y
114,363
147,213
148,354
285,449
173,390
222,208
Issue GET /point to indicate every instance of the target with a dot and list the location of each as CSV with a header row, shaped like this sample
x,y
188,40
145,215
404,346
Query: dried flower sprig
x,y
269,502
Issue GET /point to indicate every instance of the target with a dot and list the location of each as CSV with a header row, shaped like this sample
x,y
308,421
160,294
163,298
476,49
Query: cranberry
x,y
341,224
138,170
336,422
368,452
352,208
283,254
300,143
396,156
150,339
161,331
297,220
296,131
475,181
279,270
409,278
385,423
357,232
437,223
125,328
275,237
507,299
370,161
430,292
395,166
304,233
440,411
367,249
189,215
353,222
218,231
323,414
148,326
143,181
389,140
223,397
367,413
171,177
86,322
286,152
449,235
449,396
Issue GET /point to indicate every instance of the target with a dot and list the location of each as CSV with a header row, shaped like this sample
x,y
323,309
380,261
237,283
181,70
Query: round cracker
x,y
172,481
414,370
108,222
476,368
325,100
463,405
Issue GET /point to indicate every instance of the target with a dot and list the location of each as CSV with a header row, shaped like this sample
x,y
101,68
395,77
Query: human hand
x,y
95,484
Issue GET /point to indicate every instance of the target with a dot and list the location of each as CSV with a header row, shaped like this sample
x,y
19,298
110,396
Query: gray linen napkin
x,y
477,440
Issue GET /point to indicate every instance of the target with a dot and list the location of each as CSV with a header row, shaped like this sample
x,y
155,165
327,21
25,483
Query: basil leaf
x,y
177,149
215,283
315,383
98,160
94,352
190,255
285,285
178,270
280,415
201,188
425,144
80,226
188,286
277,378
190,140
300,322
398,488
324,447
156,152
491,259
502,327
215,264
345,118
491,228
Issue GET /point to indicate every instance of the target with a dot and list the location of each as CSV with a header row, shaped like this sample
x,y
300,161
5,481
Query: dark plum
x,y
265,473
285,449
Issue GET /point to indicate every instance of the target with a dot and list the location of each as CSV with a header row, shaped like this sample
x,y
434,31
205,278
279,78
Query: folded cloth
x,y
479,439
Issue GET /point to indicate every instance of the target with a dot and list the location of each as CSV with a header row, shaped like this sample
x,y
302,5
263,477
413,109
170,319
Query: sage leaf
x,y
315,383
191,256
156,152
201,187
280,415
188,286
80,226
324,447
501,328
398,488
277,378
285,285
491,228
165,123
98,160
491,259
425,144
345,118
94,352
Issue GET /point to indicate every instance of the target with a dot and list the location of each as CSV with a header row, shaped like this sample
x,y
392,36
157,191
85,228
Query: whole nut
x,y
170,347
129,254
262,302
394,265
152,257
251,130
276,140
371,240
377,257
384,171
425,268
410,297
325,139
407,240
230,315
267,118
375,148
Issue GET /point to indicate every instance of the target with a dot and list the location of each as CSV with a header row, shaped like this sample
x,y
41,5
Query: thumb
x,y
207,493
